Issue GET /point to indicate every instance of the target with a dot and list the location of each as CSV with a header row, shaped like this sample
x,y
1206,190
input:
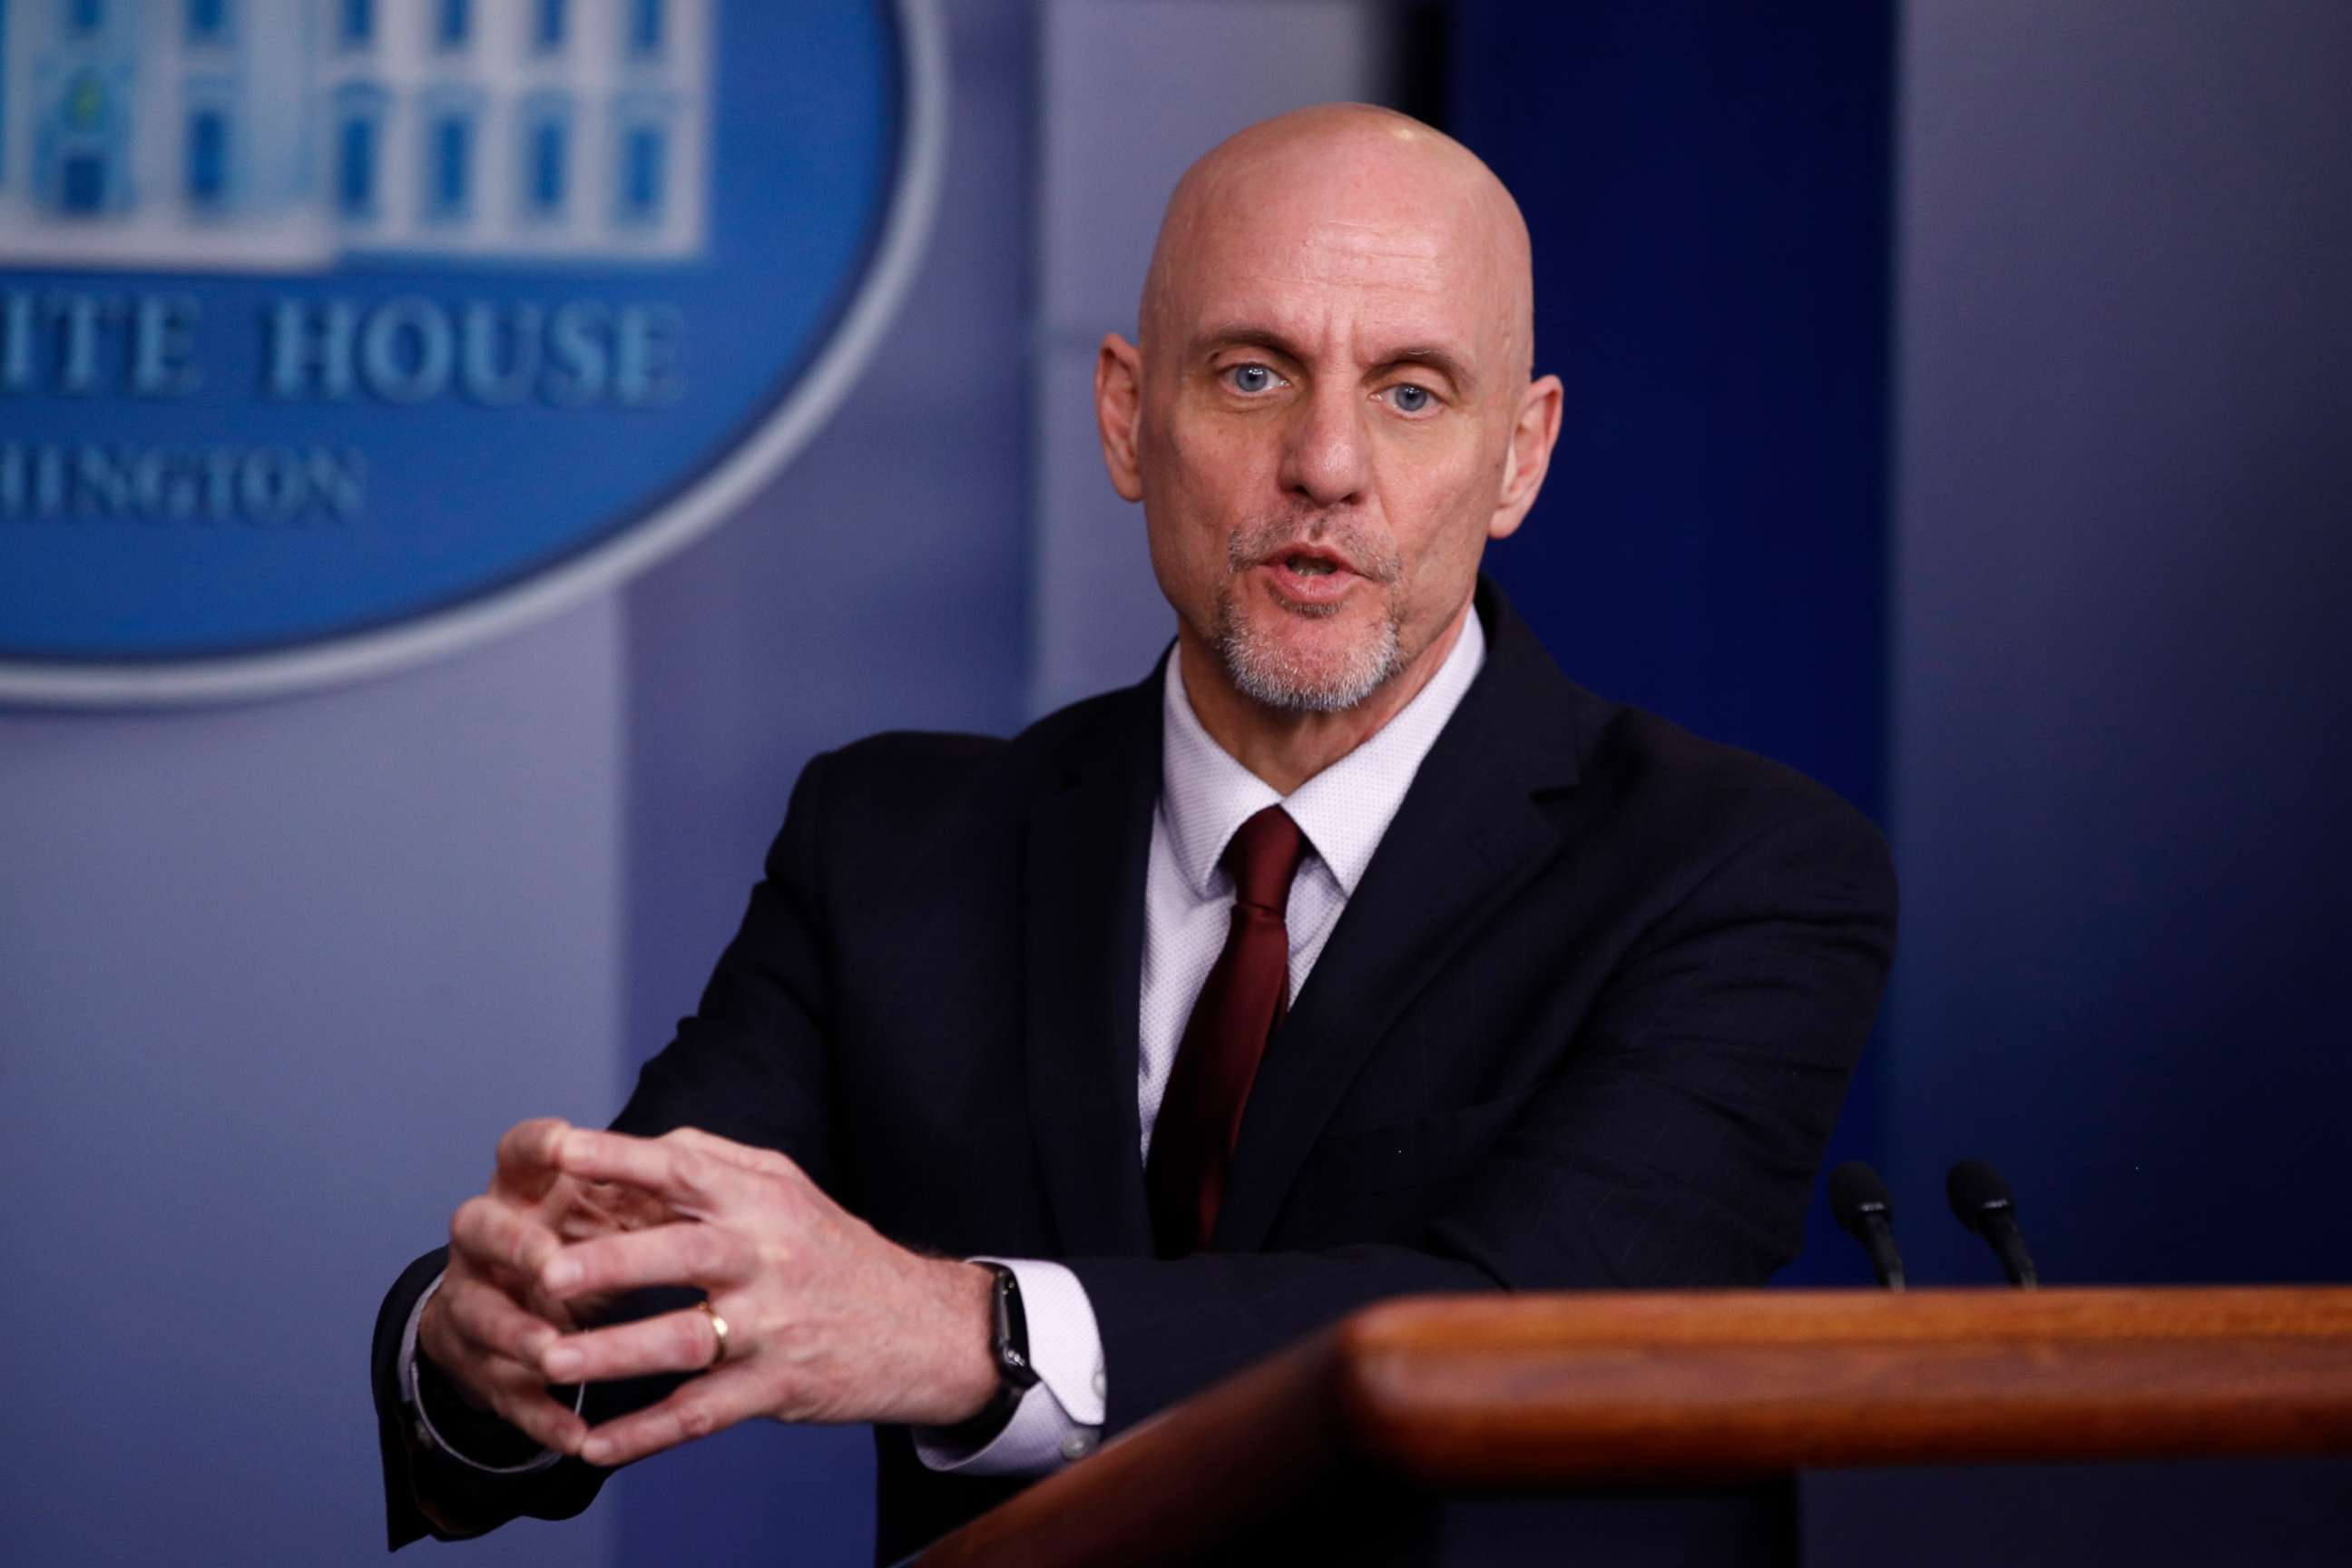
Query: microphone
x,y
1865,1212
1982,1202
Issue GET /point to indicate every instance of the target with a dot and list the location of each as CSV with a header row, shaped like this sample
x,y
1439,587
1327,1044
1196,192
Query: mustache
x,y
1368,555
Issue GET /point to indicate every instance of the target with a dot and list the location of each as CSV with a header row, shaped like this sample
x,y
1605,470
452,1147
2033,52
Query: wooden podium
x,y
1465,1395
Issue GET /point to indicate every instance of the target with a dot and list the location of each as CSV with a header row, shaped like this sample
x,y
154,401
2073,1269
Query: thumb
x,y
525,1159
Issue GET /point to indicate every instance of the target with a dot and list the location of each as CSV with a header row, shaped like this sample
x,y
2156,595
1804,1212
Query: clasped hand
x,y
828,1320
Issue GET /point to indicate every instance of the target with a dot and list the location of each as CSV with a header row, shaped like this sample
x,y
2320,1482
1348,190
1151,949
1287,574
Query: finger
x,y
519,1396
743,1156
599,1208
689,1182
512,1389
496,1236
700,1406
489,1322
526,1158
674,1342
686,1253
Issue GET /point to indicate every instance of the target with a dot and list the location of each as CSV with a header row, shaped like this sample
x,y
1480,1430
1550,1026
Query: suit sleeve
x,y
752,1065
1674,1144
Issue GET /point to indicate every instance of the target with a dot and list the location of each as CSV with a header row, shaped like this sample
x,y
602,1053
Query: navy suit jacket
x,y
1586,1023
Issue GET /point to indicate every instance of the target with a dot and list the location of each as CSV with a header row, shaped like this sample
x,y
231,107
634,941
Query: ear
x,y
1529,456
1118,411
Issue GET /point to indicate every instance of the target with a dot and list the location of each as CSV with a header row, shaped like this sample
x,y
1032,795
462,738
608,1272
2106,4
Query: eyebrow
x,y
1440,359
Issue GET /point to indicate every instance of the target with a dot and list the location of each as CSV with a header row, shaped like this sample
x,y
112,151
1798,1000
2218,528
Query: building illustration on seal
x,y
286,135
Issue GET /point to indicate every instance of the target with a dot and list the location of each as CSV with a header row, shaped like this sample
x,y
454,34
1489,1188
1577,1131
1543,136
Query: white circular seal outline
x,y
701,506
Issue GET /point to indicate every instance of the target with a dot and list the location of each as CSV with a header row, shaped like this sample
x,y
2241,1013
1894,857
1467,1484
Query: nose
x,y
1325,457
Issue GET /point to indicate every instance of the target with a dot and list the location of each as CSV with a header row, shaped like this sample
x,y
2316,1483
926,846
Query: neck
x,y
1285,747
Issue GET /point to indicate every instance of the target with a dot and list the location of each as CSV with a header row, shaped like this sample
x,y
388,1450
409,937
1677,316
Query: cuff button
x,y
1077,1444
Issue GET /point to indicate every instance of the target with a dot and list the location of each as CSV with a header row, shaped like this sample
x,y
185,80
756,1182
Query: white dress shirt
x,y
1205,794
1204,797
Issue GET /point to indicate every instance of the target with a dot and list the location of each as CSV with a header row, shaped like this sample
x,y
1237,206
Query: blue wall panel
x,y
2126,644
1706,188
2113,644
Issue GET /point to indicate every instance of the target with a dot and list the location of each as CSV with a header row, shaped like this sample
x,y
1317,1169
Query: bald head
x,y
1337,193
1329,415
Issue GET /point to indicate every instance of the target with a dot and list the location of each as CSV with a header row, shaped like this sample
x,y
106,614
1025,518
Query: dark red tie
x,y
1236,1013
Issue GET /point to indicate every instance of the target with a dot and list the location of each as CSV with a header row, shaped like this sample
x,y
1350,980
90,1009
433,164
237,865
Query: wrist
x,y
432,1371
969,1377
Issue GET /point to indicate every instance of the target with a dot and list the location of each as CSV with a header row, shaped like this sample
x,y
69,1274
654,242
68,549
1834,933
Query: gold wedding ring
x,y
718,1328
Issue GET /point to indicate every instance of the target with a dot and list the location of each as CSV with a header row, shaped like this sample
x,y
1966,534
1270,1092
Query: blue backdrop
x,y
1708,190
2074,284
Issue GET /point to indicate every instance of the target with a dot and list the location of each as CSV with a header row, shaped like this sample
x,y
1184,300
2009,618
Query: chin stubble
x,y
1263,671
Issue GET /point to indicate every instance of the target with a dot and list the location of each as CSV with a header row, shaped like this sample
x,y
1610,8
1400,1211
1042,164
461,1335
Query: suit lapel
x,y
1467,836
1089,836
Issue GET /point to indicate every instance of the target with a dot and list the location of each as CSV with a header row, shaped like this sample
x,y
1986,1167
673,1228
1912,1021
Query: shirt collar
x,y
1205,794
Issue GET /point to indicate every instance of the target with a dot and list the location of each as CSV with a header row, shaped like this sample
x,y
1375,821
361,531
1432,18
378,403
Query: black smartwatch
x,y
1008,1345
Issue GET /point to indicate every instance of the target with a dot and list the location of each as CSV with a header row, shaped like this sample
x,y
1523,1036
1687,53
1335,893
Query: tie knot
x,y
1263,856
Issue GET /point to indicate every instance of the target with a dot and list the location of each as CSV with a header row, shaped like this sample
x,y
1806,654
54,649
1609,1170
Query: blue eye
x,y
1250,377
1410,399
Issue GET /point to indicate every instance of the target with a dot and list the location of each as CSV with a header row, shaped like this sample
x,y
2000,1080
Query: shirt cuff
x,y
412,1396
1061,1419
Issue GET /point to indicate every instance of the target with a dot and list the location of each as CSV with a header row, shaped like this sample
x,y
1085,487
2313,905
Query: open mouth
x,y
1310,576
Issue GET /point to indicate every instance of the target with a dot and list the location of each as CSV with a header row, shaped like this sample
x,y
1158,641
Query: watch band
x,y
1008,1346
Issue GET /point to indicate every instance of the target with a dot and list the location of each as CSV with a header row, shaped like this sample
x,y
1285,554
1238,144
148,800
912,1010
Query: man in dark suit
x,y
1355,952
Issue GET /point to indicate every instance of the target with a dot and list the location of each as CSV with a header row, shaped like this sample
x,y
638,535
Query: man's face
x,y
1330,380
